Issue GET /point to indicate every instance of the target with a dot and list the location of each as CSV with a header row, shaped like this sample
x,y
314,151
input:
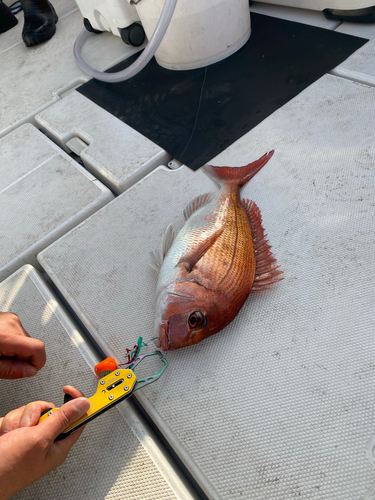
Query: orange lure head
x,y
186,314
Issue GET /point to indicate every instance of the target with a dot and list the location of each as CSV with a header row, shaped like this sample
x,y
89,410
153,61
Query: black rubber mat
x,y
196,114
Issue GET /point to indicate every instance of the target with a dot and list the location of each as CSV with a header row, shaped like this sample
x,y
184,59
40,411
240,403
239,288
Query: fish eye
x,y
196,319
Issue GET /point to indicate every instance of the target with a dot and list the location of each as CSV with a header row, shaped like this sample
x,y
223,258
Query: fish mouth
x,y
163,336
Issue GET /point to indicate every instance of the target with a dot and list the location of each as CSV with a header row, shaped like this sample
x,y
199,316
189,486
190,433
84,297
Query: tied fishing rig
x,y
133,353
117,383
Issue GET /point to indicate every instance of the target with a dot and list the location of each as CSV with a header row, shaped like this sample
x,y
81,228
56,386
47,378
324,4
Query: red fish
x,y
220,255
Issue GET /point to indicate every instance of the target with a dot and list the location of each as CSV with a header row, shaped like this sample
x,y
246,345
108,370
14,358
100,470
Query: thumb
x,y
63,417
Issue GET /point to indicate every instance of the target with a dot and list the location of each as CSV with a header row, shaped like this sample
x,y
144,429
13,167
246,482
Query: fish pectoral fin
x,y
266,271
190,259
157,256
198,202
156,260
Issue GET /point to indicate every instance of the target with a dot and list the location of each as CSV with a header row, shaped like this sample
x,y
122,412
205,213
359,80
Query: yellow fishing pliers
x,y
115,385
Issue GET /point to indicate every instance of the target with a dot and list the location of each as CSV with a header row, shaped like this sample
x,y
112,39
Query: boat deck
x,y
278,405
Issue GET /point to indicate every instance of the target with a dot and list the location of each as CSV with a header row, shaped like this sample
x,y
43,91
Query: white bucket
x,y
201,32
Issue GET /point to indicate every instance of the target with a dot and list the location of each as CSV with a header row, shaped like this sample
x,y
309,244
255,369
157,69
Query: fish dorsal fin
x,y
191,258
198,202
266,270
157,256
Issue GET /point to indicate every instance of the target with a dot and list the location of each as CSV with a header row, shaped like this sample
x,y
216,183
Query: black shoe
x,y
7,19
40,21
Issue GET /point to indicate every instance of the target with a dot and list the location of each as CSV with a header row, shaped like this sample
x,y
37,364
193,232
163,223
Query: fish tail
x,y
239,175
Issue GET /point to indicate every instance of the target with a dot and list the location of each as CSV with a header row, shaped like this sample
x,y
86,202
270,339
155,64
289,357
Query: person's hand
x,y
28,451
25,416
28,415
20,355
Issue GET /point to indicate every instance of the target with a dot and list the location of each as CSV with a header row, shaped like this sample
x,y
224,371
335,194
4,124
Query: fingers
x,y
55,424
16,343
72,391
10,321
25,416
11,420
14,368
24,348
32,411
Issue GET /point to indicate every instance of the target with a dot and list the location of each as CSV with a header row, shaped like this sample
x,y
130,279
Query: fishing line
x,y
196,117
134,353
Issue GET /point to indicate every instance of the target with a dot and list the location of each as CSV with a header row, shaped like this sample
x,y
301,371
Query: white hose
x,y
143,59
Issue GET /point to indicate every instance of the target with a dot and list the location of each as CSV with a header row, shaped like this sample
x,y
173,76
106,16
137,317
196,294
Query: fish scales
x,y
229,257
232,255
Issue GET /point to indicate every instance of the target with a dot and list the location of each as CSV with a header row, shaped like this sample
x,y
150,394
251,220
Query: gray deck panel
x,y
43,194
280,403
363,60
127,156
107,461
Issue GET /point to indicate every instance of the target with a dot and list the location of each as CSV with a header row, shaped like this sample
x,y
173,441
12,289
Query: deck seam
x,y
353,76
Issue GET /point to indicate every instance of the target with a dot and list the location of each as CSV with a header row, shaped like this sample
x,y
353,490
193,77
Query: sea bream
x,y
219,256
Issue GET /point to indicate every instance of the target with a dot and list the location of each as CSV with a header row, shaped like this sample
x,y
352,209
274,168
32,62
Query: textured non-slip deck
x,y
363,60
281,403
107,461
114,152
43,194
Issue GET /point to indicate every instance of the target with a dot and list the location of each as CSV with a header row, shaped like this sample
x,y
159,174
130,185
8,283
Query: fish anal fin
x,y
198,202
157,256
190,259
266,271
